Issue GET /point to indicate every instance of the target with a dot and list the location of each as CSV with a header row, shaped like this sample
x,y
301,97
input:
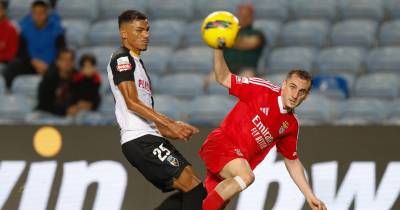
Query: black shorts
x,y
157,159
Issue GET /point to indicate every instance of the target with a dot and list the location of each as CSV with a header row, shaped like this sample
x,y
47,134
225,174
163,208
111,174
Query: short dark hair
x,y
305,75
87,58
65,50
3,4
40,3
130,15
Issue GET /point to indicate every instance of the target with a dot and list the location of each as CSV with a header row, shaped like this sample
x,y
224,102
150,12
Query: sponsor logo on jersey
x,y
283,127
173,161
261,133
145,85
264,110
123,64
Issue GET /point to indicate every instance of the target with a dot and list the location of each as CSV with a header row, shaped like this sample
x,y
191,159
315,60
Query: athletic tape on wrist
x,y
240,181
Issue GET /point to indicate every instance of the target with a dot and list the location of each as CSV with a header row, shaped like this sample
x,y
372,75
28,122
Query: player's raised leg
x,y
237,176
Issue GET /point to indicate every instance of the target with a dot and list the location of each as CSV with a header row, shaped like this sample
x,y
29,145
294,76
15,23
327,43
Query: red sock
x,y
213,201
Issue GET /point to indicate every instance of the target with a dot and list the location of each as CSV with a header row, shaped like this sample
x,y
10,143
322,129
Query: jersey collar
x,y
280,103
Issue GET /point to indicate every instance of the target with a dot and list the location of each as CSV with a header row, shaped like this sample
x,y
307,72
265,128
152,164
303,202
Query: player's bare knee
x,y
187,180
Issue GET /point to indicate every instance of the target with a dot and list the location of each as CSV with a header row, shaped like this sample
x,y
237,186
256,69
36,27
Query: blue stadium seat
x,y
104,32
44,118
170,9
192,34
209,110
285,59
215,88
378,85
315,9
390,33
26,85
2,86
155,80
17,9
271,30
170,106
76,32
271,9
312,33
95,118
105,85
385,59
341,59
359,33
205,7
394,115
184,85
166,33
102,54
110,9
78,9
156,59
315,110
356,111
107,105
365,9
193,59
13,108
275,79
331,86
393,8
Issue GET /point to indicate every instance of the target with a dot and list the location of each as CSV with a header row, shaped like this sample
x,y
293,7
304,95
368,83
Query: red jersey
x,y
258,121
8,41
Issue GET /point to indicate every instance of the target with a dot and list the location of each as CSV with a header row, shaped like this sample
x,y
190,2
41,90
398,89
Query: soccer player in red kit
x,y
262,118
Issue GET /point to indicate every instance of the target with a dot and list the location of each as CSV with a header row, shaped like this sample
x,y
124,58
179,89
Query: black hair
x,y
87,58
3,4
65,50
40,3
130,15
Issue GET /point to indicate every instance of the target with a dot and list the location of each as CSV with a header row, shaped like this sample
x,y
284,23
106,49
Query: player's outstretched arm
x,y
296,171
221,70
175,129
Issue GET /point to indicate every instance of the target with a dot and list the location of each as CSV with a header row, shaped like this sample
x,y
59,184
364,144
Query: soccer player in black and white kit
x,y
143,130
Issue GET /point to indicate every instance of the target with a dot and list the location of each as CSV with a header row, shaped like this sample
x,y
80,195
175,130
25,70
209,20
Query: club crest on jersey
x,y
173,161
242,80
238,152
283,127
123,64
264,110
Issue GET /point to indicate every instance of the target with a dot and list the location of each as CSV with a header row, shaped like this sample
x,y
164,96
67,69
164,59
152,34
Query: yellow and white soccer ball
x,y
220,28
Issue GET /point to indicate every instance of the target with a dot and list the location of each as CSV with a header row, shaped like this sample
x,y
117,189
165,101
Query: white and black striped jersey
x,y
124,66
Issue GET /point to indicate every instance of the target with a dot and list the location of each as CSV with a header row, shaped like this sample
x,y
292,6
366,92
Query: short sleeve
x,y
288,146
122,68
246,88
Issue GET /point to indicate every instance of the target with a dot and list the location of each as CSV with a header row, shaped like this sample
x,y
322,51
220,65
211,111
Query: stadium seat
x,y
365,9
17,9
193,59
215,88
390,33
314,9
2,86
155,80
283,60
170,106
94,118
45,118
104,32
192,34
394,114
107,105
271,30
331,86
385,59
315,110
359,33
209,110
105,85
378,85
205,7
76,32
156,59
311,33
393,8
102,54
110,9
184,85
356,111
26,85
170,9
340,59
13,108
271,9
78,9
166,33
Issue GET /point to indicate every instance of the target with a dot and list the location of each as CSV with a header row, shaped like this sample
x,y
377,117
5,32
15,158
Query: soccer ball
x,y
219,29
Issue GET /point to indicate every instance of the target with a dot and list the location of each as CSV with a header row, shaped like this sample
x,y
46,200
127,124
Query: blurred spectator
x,y
86,84
55,90
41,37
243,57
8,37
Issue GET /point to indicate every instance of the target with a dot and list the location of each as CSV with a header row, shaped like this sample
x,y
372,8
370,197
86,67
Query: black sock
x,y
193,200
173,202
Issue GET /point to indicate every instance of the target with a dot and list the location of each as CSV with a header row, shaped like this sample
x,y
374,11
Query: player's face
x,y
136,34
294,91
39,16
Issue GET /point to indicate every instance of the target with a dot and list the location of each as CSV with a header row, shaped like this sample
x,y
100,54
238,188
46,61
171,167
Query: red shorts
x,y
216,152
